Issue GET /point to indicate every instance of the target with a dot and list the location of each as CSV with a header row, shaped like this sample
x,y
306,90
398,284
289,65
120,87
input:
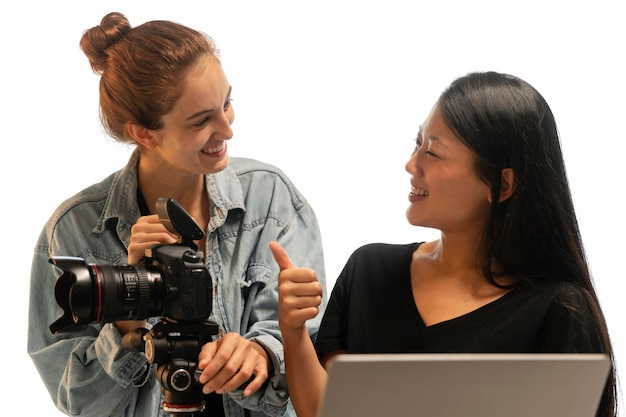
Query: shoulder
x,y
257,177
243,166
88,199
574,298
557,291
380,259
562,298
385,251
376,268
114,193
571,317
78,216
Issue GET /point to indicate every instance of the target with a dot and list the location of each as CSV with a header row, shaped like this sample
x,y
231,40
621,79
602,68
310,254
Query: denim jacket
x,y
87,371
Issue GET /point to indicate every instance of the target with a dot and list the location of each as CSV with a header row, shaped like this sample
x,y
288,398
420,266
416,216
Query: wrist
x,y
127,326
261,350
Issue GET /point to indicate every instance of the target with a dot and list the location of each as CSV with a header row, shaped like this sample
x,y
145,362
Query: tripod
x,y
174,347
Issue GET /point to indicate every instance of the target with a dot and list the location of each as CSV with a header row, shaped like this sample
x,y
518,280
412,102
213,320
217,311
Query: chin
x,y
411,218
415,220
219,165
413,223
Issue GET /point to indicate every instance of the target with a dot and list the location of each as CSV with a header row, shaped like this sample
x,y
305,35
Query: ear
x,y
507,184
141,135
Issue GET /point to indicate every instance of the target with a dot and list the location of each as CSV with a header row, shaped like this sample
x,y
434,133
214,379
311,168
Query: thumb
x,y
280,256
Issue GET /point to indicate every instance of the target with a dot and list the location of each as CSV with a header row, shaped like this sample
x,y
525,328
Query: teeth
x,y
214,149
418,191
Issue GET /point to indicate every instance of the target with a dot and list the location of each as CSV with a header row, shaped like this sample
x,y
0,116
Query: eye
x,y
418,146
430,153
201,123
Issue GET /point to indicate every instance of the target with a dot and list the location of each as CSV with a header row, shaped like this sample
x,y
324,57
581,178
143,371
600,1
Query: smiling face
x,y
194,133
446,193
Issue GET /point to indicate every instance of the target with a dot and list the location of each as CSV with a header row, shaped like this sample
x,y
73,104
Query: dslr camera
x,y
171,282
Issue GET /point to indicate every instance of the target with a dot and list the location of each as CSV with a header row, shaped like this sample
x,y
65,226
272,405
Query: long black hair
x,y
534,234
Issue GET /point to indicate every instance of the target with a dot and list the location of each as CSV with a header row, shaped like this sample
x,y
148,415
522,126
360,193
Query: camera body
x,y
188,286
171,281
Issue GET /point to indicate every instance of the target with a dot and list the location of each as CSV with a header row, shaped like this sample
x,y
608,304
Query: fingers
x,y
147,232
280,256
231,362
297,303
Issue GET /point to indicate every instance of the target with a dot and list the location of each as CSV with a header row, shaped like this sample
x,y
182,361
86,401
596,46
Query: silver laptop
x,y
465,385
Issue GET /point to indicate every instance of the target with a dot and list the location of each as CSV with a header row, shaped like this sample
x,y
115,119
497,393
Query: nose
x,y
224,130
415,162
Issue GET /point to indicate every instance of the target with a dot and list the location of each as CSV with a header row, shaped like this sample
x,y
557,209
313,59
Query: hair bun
x,y
97,40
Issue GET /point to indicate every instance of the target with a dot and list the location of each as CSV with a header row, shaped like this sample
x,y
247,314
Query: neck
x,y
188,189
459,255
453,253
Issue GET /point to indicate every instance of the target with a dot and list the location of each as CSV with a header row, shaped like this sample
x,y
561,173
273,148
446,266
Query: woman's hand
x,y
299,292
148,231
230,362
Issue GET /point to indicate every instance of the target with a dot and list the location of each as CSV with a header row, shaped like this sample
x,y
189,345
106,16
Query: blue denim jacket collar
x,y
225,194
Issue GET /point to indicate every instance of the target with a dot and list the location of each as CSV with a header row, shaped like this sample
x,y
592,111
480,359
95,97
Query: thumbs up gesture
x,y
299,292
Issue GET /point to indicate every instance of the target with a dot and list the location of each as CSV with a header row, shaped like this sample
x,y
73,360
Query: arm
x,y
300,296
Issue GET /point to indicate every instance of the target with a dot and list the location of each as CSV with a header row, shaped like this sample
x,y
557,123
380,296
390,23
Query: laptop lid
x,y
465,385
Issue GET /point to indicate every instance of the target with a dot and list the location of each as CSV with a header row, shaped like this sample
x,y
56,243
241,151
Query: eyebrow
x,y
209,111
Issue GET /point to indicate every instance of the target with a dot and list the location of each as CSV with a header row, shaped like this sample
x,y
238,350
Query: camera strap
x,y
143,205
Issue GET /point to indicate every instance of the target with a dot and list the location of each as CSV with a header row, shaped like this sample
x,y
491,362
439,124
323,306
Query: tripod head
x,y
174,348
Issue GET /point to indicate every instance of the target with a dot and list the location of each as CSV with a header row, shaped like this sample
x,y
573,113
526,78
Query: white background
x,y
332,92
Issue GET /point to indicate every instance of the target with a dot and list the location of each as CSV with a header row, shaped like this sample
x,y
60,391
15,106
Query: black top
x,y
371,310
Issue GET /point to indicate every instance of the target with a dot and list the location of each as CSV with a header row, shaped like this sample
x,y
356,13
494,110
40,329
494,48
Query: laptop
x,y
464,385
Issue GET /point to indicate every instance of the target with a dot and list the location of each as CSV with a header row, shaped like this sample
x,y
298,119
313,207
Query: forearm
x,y
306,378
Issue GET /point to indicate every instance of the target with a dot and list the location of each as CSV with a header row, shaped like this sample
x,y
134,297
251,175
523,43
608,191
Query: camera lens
x,y
104,293
125,292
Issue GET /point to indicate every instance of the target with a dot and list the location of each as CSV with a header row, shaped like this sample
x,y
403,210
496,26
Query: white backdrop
x,y
332,92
